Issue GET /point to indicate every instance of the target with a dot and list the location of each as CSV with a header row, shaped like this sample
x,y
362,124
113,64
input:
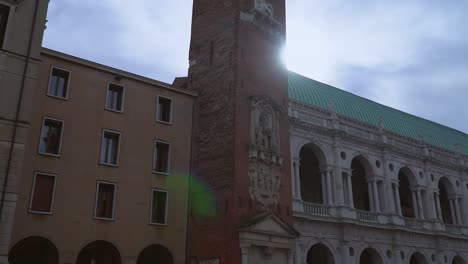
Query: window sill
x,y
162,173
114,111
161,225
164,122
57,97
104,219
49,154
40,213
109,164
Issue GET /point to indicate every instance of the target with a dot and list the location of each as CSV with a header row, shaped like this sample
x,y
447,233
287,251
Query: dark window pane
x,y
110,148
164,109
161,157
105,200
158,212
4,11
58,85
50,137
114,100
43,193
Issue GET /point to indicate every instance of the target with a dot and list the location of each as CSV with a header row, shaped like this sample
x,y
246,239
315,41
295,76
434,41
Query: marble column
x,y
297,179
457,211
438,208
397,198
329,188
324,187
420,205
376,196
350,191
452,211
371,196
415,204
245,255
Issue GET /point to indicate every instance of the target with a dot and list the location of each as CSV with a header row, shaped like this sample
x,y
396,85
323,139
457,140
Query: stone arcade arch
x,y
155,254
446,204
418,258
313,180
36,250
320,254
458,260
99,252
370,256
408,204
361,172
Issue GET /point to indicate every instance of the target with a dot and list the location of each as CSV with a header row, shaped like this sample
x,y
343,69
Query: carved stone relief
x,y
264,7
264,152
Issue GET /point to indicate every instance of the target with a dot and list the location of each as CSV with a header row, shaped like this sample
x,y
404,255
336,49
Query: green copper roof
x,y
308,91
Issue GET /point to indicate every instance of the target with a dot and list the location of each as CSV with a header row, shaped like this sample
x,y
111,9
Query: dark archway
x,y
406,199
445,189
311,159
370,256
99,252
320,254
458,260
155,254
36,250
361,196
418,258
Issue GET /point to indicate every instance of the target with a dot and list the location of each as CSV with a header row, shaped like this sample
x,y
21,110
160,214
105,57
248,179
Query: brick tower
x,y
241,149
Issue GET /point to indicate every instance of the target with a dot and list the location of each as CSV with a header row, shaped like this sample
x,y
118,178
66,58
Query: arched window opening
x,y
155,254
406,200
445,202
99,252
312,182
370,256
360,186
418,258
458,260
36,250
320,254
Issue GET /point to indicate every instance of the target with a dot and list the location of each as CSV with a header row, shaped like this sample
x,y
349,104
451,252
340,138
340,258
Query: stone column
x,y
376,196
350,191
457,211
245,255
329,188
397,199
415,204
438,208
297,179
452,211
420,205
324,188
371,195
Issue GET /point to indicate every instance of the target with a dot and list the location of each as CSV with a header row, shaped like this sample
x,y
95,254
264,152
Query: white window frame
x,y
166,209
61,137
168,157
8,26
53,194
170,114
123,97
68,84
118,148
113,201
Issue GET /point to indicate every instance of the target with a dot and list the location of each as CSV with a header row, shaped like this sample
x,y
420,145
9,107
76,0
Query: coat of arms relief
x,y
264,152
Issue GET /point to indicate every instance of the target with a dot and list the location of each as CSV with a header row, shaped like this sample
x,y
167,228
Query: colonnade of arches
x,y
40,250
321,254
363,190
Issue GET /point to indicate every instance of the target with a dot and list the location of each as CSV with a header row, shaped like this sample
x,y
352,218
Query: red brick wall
x,y
231,61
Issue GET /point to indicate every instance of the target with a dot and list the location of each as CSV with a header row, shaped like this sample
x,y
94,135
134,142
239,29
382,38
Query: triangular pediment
x,y
268,223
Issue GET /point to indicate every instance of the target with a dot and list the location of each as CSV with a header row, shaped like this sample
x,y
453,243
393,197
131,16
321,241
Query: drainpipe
x,y
18,108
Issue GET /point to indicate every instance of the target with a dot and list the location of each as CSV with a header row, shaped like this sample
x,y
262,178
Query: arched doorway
x,y
370,256
320,254
99,252
155,254
406,200
360,173
312,182
36,250
458,260
418,258
445,189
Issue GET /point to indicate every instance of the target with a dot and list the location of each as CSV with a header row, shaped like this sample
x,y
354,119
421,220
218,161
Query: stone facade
x,y
337,142
19,66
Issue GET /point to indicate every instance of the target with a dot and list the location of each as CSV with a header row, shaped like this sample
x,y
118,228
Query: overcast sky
x,y
410,55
